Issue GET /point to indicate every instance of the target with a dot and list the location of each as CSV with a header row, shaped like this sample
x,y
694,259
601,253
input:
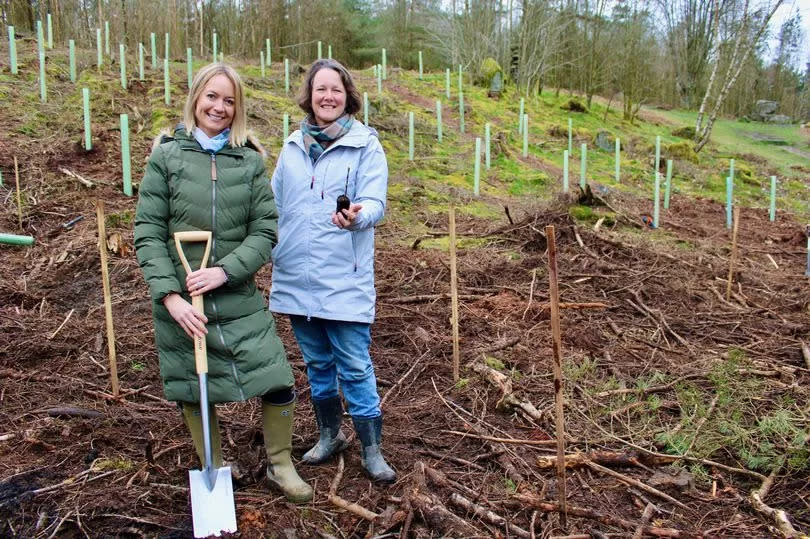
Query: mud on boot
x,y
369,430
329,415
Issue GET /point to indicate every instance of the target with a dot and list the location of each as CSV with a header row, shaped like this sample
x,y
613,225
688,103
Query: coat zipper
x,y
213,260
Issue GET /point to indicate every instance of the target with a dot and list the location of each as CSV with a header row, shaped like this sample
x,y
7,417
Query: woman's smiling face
x,y
215,106
328,96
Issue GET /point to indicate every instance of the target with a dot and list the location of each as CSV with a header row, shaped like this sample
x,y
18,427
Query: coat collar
x,y
188,142
357,137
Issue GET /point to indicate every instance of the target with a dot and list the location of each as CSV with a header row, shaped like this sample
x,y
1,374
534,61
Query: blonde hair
x,y
238,135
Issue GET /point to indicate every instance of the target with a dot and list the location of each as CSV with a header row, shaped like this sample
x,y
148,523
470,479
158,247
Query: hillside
x,y
684,400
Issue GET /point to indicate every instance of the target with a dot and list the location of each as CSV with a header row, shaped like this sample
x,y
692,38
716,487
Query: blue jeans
x,y
335,350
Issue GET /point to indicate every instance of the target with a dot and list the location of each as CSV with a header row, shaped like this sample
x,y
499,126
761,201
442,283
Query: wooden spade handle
x,y
200,352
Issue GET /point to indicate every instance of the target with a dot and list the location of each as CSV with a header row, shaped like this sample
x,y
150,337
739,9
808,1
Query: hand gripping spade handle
x,y
212,504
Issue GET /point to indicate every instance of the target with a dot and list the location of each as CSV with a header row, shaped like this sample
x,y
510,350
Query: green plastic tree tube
x,y
214,49
43,90
153,42
461,111
50,31
15,239
99,55
286,127
657,199
520,115
772,212
168,49
261,61
618,161
583,165
565,171
410,137
668,184
487,153
329,54
88,143
365,108
384,66
126,162
123,61
12,50
729,200
267,56
107,38
570,139
1,178
72,53
657,153
320,50
447,83
140,61
477,167
166,92
439,120
287,76
525,135
731,169
379,79
420,65
190,66
460,80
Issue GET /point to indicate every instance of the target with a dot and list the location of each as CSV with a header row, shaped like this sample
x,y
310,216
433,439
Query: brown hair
x,y
239,134
353,99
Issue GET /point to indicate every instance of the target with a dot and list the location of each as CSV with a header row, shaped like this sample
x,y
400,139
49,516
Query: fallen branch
x,y
604,518
354,508
806,354
777,516
605,458
62,324
70,411
645,520
502,382
487,516
638,484
82,180
434,513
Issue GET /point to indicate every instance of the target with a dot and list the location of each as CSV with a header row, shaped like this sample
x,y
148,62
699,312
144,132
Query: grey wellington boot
x,y
193,420
277,426
370,433
328,414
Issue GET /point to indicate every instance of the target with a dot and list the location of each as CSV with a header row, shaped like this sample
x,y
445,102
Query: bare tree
x,y
749,26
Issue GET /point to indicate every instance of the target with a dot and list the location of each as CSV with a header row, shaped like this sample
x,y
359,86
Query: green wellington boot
x,y
193,421
277,424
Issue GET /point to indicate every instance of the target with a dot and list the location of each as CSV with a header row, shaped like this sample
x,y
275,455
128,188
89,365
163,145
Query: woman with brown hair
x,y
330,186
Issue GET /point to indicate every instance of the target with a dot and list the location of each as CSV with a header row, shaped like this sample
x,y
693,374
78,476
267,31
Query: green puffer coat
x,y
245,355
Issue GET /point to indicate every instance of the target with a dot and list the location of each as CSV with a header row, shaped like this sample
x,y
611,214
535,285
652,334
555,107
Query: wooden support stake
x,y
733,252
559,417
19,200
105,282
454,293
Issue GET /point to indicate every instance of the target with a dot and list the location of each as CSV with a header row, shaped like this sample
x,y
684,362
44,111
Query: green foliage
x,y
462,383
494,363
510,485
687,132
489,67
574,105
680,150
582,213
575,372
123,219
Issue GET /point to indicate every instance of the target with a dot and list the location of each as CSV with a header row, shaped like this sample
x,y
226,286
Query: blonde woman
x,y
210,175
